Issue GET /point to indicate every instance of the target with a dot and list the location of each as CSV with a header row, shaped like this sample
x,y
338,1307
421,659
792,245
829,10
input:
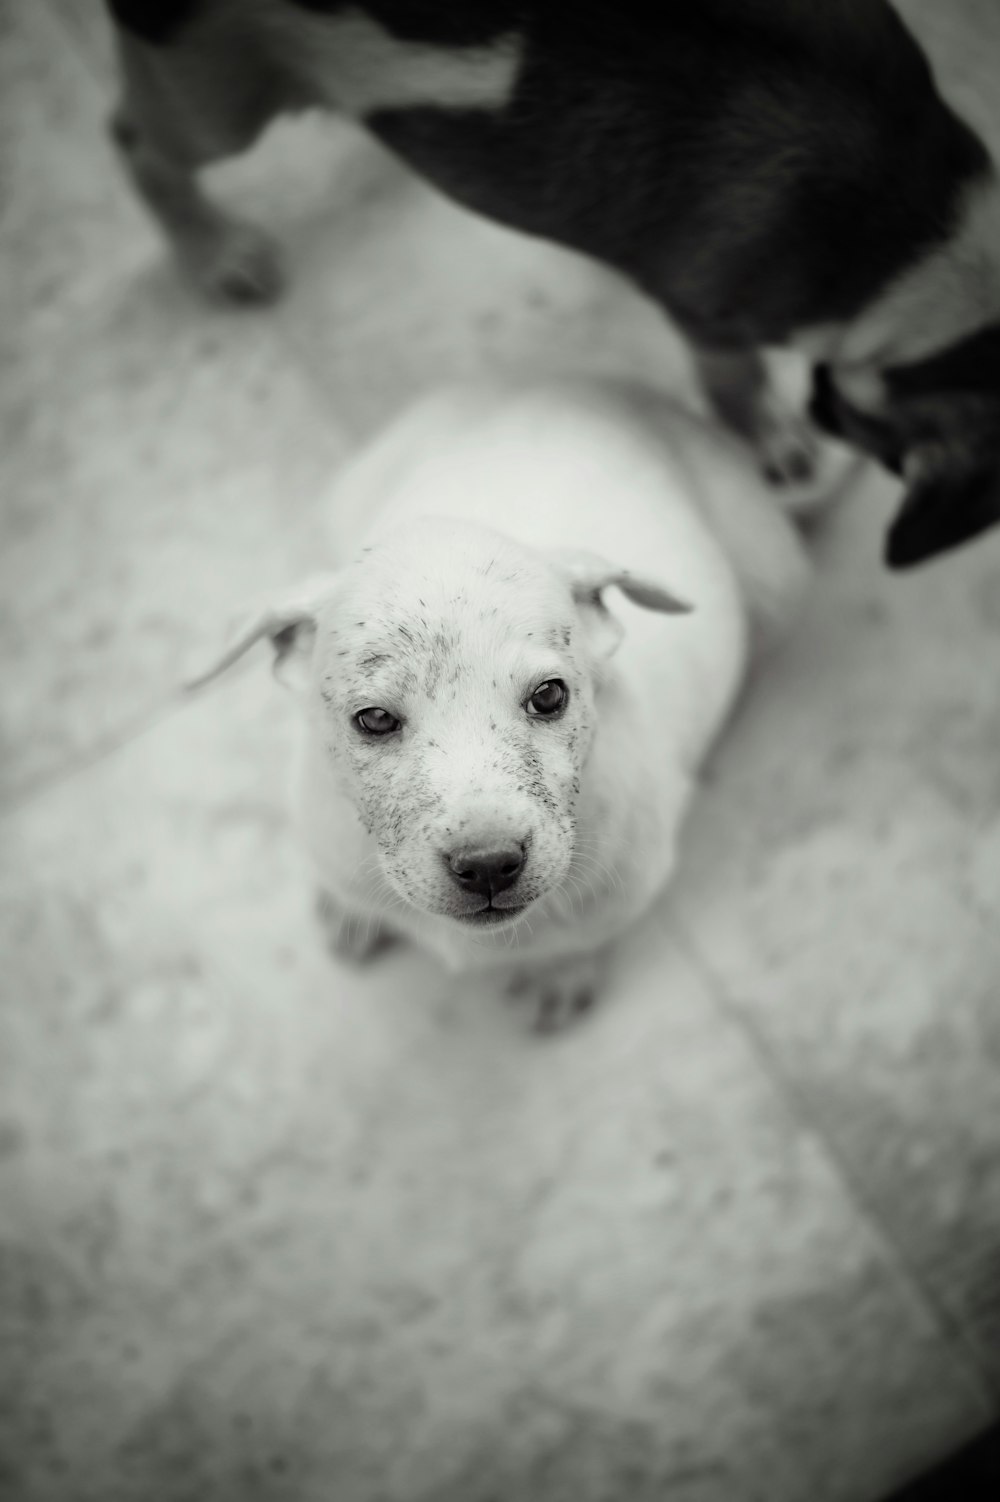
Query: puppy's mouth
x,y
489,916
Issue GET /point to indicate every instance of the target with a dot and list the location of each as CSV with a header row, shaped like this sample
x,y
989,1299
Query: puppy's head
x,y
451,677
936,423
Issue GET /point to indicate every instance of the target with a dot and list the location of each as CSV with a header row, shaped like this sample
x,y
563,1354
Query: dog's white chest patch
x,y
359,68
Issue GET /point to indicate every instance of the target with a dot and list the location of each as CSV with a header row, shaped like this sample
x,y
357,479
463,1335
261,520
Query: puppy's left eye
x,y
548,700
376,721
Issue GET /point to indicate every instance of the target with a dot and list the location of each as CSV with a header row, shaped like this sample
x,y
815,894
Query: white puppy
x,y
508,689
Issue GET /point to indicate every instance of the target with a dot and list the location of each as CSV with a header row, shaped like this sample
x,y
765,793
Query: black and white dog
x,y
771,172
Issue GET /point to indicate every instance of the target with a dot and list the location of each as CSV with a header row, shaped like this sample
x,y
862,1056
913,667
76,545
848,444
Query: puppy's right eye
x,y
548,700
376,721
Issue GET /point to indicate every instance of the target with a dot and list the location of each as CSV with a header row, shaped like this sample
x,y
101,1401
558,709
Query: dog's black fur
x,y
758,167
954,493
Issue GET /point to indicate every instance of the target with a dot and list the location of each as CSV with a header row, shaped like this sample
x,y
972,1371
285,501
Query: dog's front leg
x,y
740,390
559,992
162,142
225,257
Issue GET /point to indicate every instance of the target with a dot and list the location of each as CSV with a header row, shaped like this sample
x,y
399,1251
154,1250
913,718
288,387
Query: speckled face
x,y
452,688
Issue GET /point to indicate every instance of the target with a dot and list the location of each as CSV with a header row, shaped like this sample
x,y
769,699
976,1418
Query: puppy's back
x,y
612,467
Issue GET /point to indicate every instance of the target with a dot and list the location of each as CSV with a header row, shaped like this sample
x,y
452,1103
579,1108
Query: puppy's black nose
x,y
486,871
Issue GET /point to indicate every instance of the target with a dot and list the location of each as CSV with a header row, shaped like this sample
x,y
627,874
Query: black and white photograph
x,y
500,750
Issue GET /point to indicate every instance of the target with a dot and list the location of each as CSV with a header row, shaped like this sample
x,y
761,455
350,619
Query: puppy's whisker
x,y
583,876
575,880
562,901
588,848
368,869
590,864
371,924
576,898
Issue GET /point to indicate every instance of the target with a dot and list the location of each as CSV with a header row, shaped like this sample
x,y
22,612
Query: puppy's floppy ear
x,y
949,500
289,623
588,575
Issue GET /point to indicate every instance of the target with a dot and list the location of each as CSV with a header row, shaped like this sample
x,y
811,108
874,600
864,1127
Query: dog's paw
x,y
238,263
788,446
808,477
558,994
349,936
836,469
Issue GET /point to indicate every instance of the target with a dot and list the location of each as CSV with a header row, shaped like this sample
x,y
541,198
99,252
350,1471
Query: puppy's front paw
x,y
235,263
557,994
350,936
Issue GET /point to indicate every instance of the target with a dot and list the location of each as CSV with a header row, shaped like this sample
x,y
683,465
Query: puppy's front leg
x,y
559,992
354,937
743,395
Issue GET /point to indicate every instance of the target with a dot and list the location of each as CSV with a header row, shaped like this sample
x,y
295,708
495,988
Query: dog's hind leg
x,y
742,393
166,127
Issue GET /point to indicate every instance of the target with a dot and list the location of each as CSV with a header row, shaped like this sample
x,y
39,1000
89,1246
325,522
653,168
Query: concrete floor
x,y
273,1231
